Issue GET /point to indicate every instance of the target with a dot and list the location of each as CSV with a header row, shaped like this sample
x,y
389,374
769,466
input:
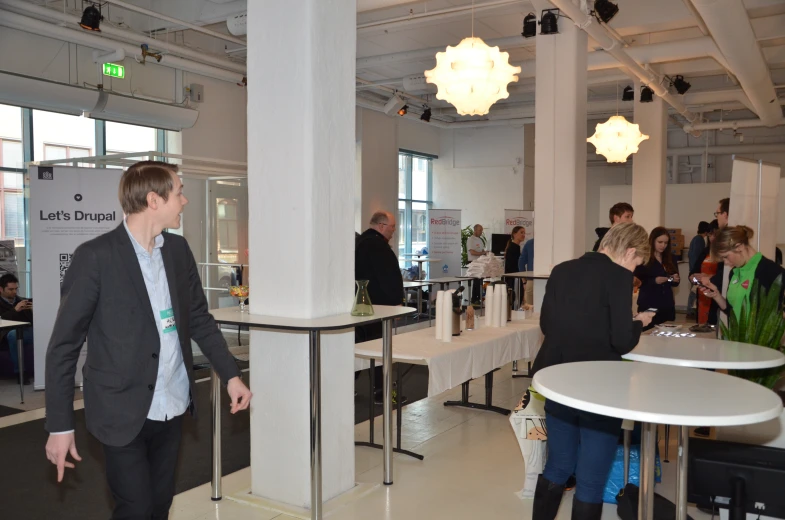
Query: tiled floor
x,y
472,469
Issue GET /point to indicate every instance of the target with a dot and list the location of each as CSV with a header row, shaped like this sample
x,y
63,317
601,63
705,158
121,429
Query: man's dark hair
x,y
619,209
8,278
725,206
703,227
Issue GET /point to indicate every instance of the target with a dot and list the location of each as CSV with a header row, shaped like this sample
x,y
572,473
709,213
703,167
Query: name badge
x,y
167,321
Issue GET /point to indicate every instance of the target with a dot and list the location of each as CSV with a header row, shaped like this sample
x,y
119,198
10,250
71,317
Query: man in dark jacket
x,y
15,308
375,261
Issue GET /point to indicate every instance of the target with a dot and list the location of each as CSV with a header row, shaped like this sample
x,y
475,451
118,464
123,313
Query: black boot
x,y
585,511
547,498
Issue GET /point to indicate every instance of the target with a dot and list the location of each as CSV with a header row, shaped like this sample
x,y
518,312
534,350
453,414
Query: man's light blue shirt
x,y
171,396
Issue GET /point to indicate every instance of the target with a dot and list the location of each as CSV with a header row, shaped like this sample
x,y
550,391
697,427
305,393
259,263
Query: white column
x,y
560,149
649,165
528,166
301,173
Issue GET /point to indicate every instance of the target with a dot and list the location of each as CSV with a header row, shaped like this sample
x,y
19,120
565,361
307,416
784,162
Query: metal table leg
x,y
20,349
516,305
387,392
667,438
648,444
681,475
215,399
627,438
315,365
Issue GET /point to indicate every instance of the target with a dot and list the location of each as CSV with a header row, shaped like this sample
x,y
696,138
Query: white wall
x,y
418,137
596,178
480,171
379,165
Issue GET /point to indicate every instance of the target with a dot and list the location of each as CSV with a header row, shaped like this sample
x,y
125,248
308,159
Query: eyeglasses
x,y
718,213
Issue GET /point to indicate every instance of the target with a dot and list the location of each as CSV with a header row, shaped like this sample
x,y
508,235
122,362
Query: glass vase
x,y
362,301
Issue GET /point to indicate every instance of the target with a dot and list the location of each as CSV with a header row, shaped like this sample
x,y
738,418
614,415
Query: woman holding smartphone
x,y
658,276
747,265
595,291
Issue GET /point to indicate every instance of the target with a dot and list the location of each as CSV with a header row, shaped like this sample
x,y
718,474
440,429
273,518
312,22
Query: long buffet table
x,y
473,354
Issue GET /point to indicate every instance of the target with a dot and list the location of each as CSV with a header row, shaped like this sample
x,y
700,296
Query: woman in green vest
x,y
733,247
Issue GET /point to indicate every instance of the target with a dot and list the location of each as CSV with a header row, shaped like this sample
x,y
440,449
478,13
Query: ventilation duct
x,y
134,111
28,92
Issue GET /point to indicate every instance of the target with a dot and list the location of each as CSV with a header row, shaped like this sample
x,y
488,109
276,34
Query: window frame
x,y
406,163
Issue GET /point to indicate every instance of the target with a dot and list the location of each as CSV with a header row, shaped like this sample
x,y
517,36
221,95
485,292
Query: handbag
x,y
627,508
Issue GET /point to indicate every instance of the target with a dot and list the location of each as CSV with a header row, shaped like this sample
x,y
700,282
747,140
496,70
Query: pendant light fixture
x,y
617,138
472,76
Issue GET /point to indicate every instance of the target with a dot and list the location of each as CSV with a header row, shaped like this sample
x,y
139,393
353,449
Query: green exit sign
x,y
115,71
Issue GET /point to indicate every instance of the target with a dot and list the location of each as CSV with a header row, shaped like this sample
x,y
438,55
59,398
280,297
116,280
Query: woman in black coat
x,y
587,316
658,278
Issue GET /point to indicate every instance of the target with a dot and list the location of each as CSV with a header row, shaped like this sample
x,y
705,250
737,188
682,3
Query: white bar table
x,y
382,313
19,326
656,394
419,285
421,260
699,353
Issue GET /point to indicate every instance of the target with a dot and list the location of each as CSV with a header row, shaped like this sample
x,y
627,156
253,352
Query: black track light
x,y
404,110
680,85
529,26
647,94
549,23
605,10
628,94
91,18
426,114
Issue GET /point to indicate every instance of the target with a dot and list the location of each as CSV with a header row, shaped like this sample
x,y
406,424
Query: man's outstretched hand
x,y
240,394
57,447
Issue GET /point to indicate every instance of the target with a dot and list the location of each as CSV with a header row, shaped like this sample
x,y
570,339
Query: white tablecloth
x,y
471,355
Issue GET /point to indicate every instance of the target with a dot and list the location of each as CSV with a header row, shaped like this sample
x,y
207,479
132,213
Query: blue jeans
x,y
28,340
581,444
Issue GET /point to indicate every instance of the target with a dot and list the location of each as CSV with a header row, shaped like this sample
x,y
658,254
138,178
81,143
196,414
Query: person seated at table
x,y
15,308
586,316
658,276
747,265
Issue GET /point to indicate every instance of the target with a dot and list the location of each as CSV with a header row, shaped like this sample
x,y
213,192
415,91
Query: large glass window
x,y
12,209
62,136
122,138
414,201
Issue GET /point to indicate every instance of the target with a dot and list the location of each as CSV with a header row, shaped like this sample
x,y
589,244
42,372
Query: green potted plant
x,y
759,323
465,234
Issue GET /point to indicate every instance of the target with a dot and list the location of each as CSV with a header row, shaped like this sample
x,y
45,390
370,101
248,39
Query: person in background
x,y
722,213
474,250
709,261
658,276
697,247
526,263
375,261
746,265
593,294
619,213
15,308
513,252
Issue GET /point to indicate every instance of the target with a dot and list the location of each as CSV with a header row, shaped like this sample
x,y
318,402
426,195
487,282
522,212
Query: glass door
x,y
227,240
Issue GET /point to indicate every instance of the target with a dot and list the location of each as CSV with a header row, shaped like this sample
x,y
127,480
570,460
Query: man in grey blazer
x,y
135,294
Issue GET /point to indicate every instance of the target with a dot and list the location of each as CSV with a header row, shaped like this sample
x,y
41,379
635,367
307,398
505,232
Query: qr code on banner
x,y
65,261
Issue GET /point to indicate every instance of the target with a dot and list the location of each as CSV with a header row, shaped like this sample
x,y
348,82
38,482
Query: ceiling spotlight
x,y
605,10
404,109
529,26
680,85
647,94
91,18
628,94
394,104
426,114
549,22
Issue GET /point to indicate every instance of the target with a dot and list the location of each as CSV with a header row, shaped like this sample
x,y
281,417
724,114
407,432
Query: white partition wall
x,y
754,199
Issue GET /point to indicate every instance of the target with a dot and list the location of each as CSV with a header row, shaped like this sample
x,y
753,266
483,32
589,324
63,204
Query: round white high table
x,y
699,353
656,394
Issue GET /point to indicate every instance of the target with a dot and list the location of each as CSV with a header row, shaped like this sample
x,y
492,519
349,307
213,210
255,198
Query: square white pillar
x,y
649,165
560,148
301,191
